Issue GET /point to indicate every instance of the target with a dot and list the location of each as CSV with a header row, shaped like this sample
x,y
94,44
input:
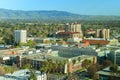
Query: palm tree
x,y
65,61
27,66
55,67
73,61
43,69
13,68
114,71
79,59
32,75
86,63
114,68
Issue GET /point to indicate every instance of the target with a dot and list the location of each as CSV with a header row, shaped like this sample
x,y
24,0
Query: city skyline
x,y
83,7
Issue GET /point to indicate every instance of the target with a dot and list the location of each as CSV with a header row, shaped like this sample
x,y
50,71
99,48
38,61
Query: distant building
x,y
96,42
71,31
67,27
84,44
114,56
20,36
103,33
72,40
75,27
90,33
68,35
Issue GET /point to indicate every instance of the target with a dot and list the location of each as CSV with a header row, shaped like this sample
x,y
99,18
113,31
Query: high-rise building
x,y
99,33
103,33
75,27
20,36
71,31
67,27
107,33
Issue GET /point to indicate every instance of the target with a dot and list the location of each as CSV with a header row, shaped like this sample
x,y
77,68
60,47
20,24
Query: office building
x,y
20,36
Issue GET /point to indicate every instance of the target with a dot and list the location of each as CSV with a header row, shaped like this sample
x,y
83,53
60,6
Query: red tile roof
x,y
95,42
85,43
91,31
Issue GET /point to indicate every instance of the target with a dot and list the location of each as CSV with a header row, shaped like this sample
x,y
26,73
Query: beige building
x,y
71,31
74,27
103,33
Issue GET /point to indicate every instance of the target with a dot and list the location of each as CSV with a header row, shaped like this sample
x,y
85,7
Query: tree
x,y
98,46
114,71
79,59
93,69
86,63
8,39
95,77
114,68
106,63
2,71
72,77
13,68
73,61
32,75
27,66
7,69
31,43
44,68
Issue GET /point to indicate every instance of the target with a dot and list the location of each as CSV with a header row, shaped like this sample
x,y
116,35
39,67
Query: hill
x,y
50,15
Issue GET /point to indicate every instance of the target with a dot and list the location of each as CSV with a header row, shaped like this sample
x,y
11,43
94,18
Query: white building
x,y
74,39
23,75
20,36
106,74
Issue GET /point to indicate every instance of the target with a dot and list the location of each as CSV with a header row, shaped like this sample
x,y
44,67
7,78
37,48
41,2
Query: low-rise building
x,y
114,42
96,41
68,35
23,75
107,74
114,56
38,61
107,52
73,51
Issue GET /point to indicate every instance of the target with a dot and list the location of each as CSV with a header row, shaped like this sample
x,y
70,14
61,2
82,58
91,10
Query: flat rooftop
x,y
43,57
107,72
19,75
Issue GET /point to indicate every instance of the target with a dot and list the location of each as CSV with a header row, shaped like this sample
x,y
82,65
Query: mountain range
x,y
50,15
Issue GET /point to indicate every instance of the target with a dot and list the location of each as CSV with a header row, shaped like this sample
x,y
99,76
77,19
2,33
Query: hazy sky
x,y
89,7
